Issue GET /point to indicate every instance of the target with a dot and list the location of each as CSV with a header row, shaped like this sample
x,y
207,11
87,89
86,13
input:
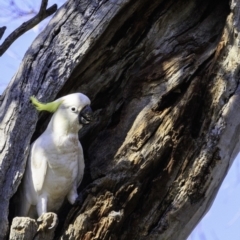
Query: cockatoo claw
x,y
47,219
54,222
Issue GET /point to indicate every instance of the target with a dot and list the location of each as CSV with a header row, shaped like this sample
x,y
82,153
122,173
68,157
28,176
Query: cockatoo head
x,y
70,112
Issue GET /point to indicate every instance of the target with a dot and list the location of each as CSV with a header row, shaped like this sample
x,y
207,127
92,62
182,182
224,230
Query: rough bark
x,y
25,228
163,77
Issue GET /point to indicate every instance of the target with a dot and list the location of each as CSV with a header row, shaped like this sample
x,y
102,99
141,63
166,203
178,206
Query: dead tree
x,y
163,77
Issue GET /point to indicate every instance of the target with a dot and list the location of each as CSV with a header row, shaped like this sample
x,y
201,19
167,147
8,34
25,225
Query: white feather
x,y
56,163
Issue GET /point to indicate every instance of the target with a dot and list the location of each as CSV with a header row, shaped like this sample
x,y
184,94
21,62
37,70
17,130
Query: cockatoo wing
x,y
39,164
81,165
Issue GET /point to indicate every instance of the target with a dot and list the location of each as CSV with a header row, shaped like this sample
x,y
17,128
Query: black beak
x,y
86,115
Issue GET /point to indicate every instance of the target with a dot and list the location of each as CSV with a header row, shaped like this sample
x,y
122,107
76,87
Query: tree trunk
x,y
163,77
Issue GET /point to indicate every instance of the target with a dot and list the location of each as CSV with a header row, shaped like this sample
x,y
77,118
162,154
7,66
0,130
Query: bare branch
x,y
2,30
42,14
43,6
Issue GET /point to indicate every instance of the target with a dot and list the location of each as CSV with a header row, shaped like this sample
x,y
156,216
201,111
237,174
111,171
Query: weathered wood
x,y
25,228
163,79
46,67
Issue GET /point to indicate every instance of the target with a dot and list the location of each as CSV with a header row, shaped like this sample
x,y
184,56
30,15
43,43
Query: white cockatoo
x,y
55,165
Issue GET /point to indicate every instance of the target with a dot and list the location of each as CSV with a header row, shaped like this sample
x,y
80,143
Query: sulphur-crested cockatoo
x,y
55,165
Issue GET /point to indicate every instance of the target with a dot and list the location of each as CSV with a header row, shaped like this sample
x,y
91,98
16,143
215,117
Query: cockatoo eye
x,y
73,109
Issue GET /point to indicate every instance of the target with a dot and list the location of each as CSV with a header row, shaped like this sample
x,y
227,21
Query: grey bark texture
x,y
163,77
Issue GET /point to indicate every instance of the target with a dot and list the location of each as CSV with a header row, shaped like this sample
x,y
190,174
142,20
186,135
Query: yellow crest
x,y
50,107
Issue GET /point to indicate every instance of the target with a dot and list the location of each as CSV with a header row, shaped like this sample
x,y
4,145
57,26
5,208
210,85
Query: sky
x,y
221,222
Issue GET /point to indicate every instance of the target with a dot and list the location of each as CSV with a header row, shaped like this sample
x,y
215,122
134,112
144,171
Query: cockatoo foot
x,y
47,221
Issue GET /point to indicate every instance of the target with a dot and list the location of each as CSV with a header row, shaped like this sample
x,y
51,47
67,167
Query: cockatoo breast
x,y
62,157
